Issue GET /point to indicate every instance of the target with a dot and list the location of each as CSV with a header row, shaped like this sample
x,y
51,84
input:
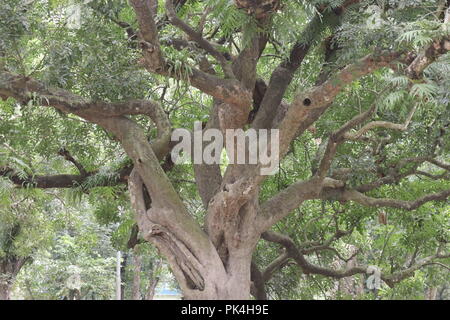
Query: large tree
x,y
364,82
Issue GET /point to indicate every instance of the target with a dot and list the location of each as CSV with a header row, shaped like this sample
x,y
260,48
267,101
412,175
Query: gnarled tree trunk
x,y
153,280
5,290
137,265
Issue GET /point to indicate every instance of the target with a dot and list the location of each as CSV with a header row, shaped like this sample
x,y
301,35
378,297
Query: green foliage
x,y
77,231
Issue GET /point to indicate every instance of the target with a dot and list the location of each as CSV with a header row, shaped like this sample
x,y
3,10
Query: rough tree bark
x,y
213,261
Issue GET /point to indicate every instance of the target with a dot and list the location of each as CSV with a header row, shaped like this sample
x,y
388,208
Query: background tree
x,y
357,89
26,224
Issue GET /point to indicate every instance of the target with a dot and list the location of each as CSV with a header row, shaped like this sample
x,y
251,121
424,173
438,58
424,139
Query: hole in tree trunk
x,y
307,102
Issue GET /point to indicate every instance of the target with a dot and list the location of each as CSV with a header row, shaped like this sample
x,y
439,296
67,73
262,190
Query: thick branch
x,y
275,266
336,138
185,236
320,98
148,33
